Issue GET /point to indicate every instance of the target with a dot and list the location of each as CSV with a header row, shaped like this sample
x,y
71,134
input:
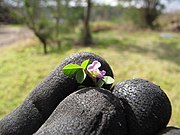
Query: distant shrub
x,y
170,21
102,26
135,16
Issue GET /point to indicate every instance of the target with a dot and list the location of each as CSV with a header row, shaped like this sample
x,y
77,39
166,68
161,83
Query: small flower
x,y
93,69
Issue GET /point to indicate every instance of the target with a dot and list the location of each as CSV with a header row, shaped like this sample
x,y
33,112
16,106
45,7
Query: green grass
x,y
131,55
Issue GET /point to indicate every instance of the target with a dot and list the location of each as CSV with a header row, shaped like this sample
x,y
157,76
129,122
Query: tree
x,y
36,22
86,32
87,38
151,9
56,15
42,16
8,13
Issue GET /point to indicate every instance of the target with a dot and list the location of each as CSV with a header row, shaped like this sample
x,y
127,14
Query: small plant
x,y
92,70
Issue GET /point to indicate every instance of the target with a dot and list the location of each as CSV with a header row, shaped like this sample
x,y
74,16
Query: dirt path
x,y
10,35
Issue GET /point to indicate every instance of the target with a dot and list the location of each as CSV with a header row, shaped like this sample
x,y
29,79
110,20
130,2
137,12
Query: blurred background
x,y
139,39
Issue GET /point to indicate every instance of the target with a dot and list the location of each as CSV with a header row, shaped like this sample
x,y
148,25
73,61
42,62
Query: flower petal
x,y
90,68
93,69
94,66
103,72
100,74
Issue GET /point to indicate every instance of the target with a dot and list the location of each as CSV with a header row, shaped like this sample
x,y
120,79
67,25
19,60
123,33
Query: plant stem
x,y
92,77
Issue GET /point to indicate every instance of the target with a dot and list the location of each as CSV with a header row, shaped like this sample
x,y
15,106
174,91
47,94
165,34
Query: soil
x,y
10,35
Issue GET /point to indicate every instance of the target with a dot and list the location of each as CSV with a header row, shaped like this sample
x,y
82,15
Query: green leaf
x,y
108,80
85,64
71,69
80,76
100,83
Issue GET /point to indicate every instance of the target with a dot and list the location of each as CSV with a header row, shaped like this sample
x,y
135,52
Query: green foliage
x,y
85,64
149,10
8,15
78,71
135,15
80,76
105,80
82,71
106,12
37,20
100,83
49,21
71,69
108,80
74,15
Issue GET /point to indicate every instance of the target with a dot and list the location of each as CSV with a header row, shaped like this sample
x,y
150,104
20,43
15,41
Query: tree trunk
x,y
58,23
148,18
43,41
45,47
87,39
151,12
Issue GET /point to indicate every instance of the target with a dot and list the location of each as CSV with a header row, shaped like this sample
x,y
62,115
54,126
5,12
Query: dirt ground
x,y
10,35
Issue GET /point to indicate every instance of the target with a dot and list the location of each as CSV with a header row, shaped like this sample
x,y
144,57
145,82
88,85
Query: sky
x,y
172,6
175,5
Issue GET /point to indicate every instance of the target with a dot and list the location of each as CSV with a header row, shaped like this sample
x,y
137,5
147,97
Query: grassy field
x,y
131,55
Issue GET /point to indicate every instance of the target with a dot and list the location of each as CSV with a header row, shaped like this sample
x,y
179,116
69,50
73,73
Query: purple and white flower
x,y
93,69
